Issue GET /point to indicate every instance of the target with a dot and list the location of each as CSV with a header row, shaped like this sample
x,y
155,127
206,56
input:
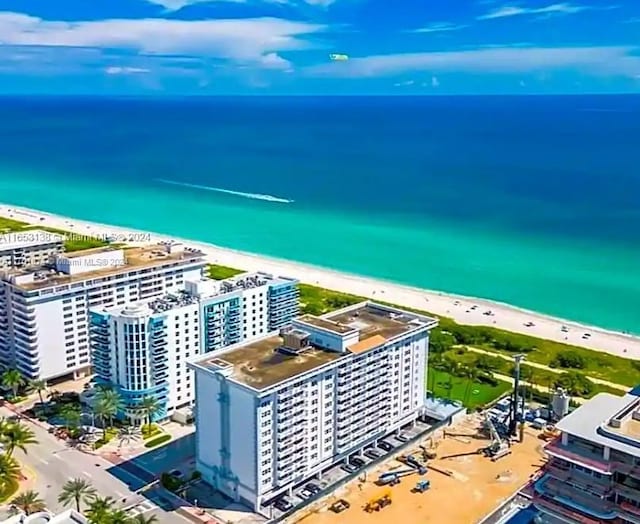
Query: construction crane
x,y
393,477
498,447
513,416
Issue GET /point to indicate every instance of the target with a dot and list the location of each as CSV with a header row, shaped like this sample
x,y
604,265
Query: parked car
x,y
402,437
305,493
349,468
384,445
313,488
283,504
372,453
357,462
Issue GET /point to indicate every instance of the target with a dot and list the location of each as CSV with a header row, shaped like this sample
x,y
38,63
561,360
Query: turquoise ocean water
x,y
530,201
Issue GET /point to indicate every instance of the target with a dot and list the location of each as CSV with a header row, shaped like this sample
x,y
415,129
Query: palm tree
x,y
39,386
29,502
434,364
470,373
16,435
99,509
71,415
12,379
54,395
149,407
449,367
75,491
9,471
128,434
117,516
108,403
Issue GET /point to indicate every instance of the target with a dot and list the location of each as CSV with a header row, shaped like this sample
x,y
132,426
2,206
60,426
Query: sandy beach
x,y
465,310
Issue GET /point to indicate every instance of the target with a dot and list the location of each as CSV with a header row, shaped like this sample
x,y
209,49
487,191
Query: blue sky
x,y
283,46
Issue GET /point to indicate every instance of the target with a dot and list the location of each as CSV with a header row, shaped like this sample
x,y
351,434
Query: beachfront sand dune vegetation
x,y
74,241
567,366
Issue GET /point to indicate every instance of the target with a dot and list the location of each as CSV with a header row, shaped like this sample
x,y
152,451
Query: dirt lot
x,y
474,487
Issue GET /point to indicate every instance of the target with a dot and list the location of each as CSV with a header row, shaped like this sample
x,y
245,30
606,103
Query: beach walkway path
x,y
537,365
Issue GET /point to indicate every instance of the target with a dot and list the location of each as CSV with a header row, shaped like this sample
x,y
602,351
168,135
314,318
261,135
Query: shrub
x,y
157,441
196,475
568,359
170,482
575,383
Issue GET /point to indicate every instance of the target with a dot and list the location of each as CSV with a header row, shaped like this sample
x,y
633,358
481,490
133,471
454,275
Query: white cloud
x,y
406,83
563,8
589,60
275,61
176,5
435,82
242,40
119,70
437,27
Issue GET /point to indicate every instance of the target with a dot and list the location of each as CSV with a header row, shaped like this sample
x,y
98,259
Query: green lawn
x,y
74,241
316,300
221,272
480,394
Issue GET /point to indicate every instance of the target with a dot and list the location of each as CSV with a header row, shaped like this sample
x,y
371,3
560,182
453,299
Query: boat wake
x,y
254,196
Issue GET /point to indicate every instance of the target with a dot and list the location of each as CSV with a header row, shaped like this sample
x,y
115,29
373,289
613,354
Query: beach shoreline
x,y
464,310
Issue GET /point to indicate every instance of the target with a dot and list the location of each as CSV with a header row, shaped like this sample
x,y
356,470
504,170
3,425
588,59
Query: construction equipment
x,y
339,506
499,447
378,503
429,453
549,433
393,477
422,486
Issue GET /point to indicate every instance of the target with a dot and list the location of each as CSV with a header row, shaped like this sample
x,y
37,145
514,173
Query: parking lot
x,y
356,466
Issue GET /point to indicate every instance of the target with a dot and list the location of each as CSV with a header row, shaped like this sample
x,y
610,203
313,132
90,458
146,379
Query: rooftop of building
x,y
90,251
208,287
263,363
607,420
28,238
260,364
69,516
137,258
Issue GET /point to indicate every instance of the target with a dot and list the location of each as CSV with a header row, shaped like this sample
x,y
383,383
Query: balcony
x,y
574,455
579,500
549,505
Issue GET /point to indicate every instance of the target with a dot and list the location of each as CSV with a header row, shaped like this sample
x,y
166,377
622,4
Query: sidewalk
x,y
537,365
537,387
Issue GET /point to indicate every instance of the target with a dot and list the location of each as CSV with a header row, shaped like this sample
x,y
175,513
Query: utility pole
x,y
513,422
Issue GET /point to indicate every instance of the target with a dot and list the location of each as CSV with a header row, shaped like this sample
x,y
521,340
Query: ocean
x,y
532,201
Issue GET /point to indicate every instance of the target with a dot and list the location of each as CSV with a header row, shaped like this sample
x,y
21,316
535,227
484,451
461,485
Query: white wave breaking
x,y
254,196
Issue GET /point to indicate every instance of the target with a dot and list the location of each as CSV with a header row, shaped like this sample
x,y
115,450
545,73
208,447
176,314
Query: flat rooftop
x,y
260,364
371,320
328,325
91,251
28,238
136,258
607,420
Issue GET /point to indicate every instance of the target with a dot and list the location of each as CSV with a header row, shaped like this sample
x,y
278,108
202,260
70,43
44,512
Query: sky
x,y
238,47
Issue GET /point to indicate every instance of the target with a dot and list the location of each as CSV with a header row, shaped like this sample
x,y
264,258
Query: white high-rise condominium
x,y
29,248
141,348
275,411
44,324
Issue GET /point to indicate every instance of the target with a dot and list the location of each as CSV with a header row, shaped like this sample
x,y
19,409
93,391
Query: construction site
x,y
458,475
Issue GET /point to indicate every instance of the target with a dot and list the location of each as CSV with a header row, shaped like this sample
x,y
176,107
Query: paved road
x,y
53,463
